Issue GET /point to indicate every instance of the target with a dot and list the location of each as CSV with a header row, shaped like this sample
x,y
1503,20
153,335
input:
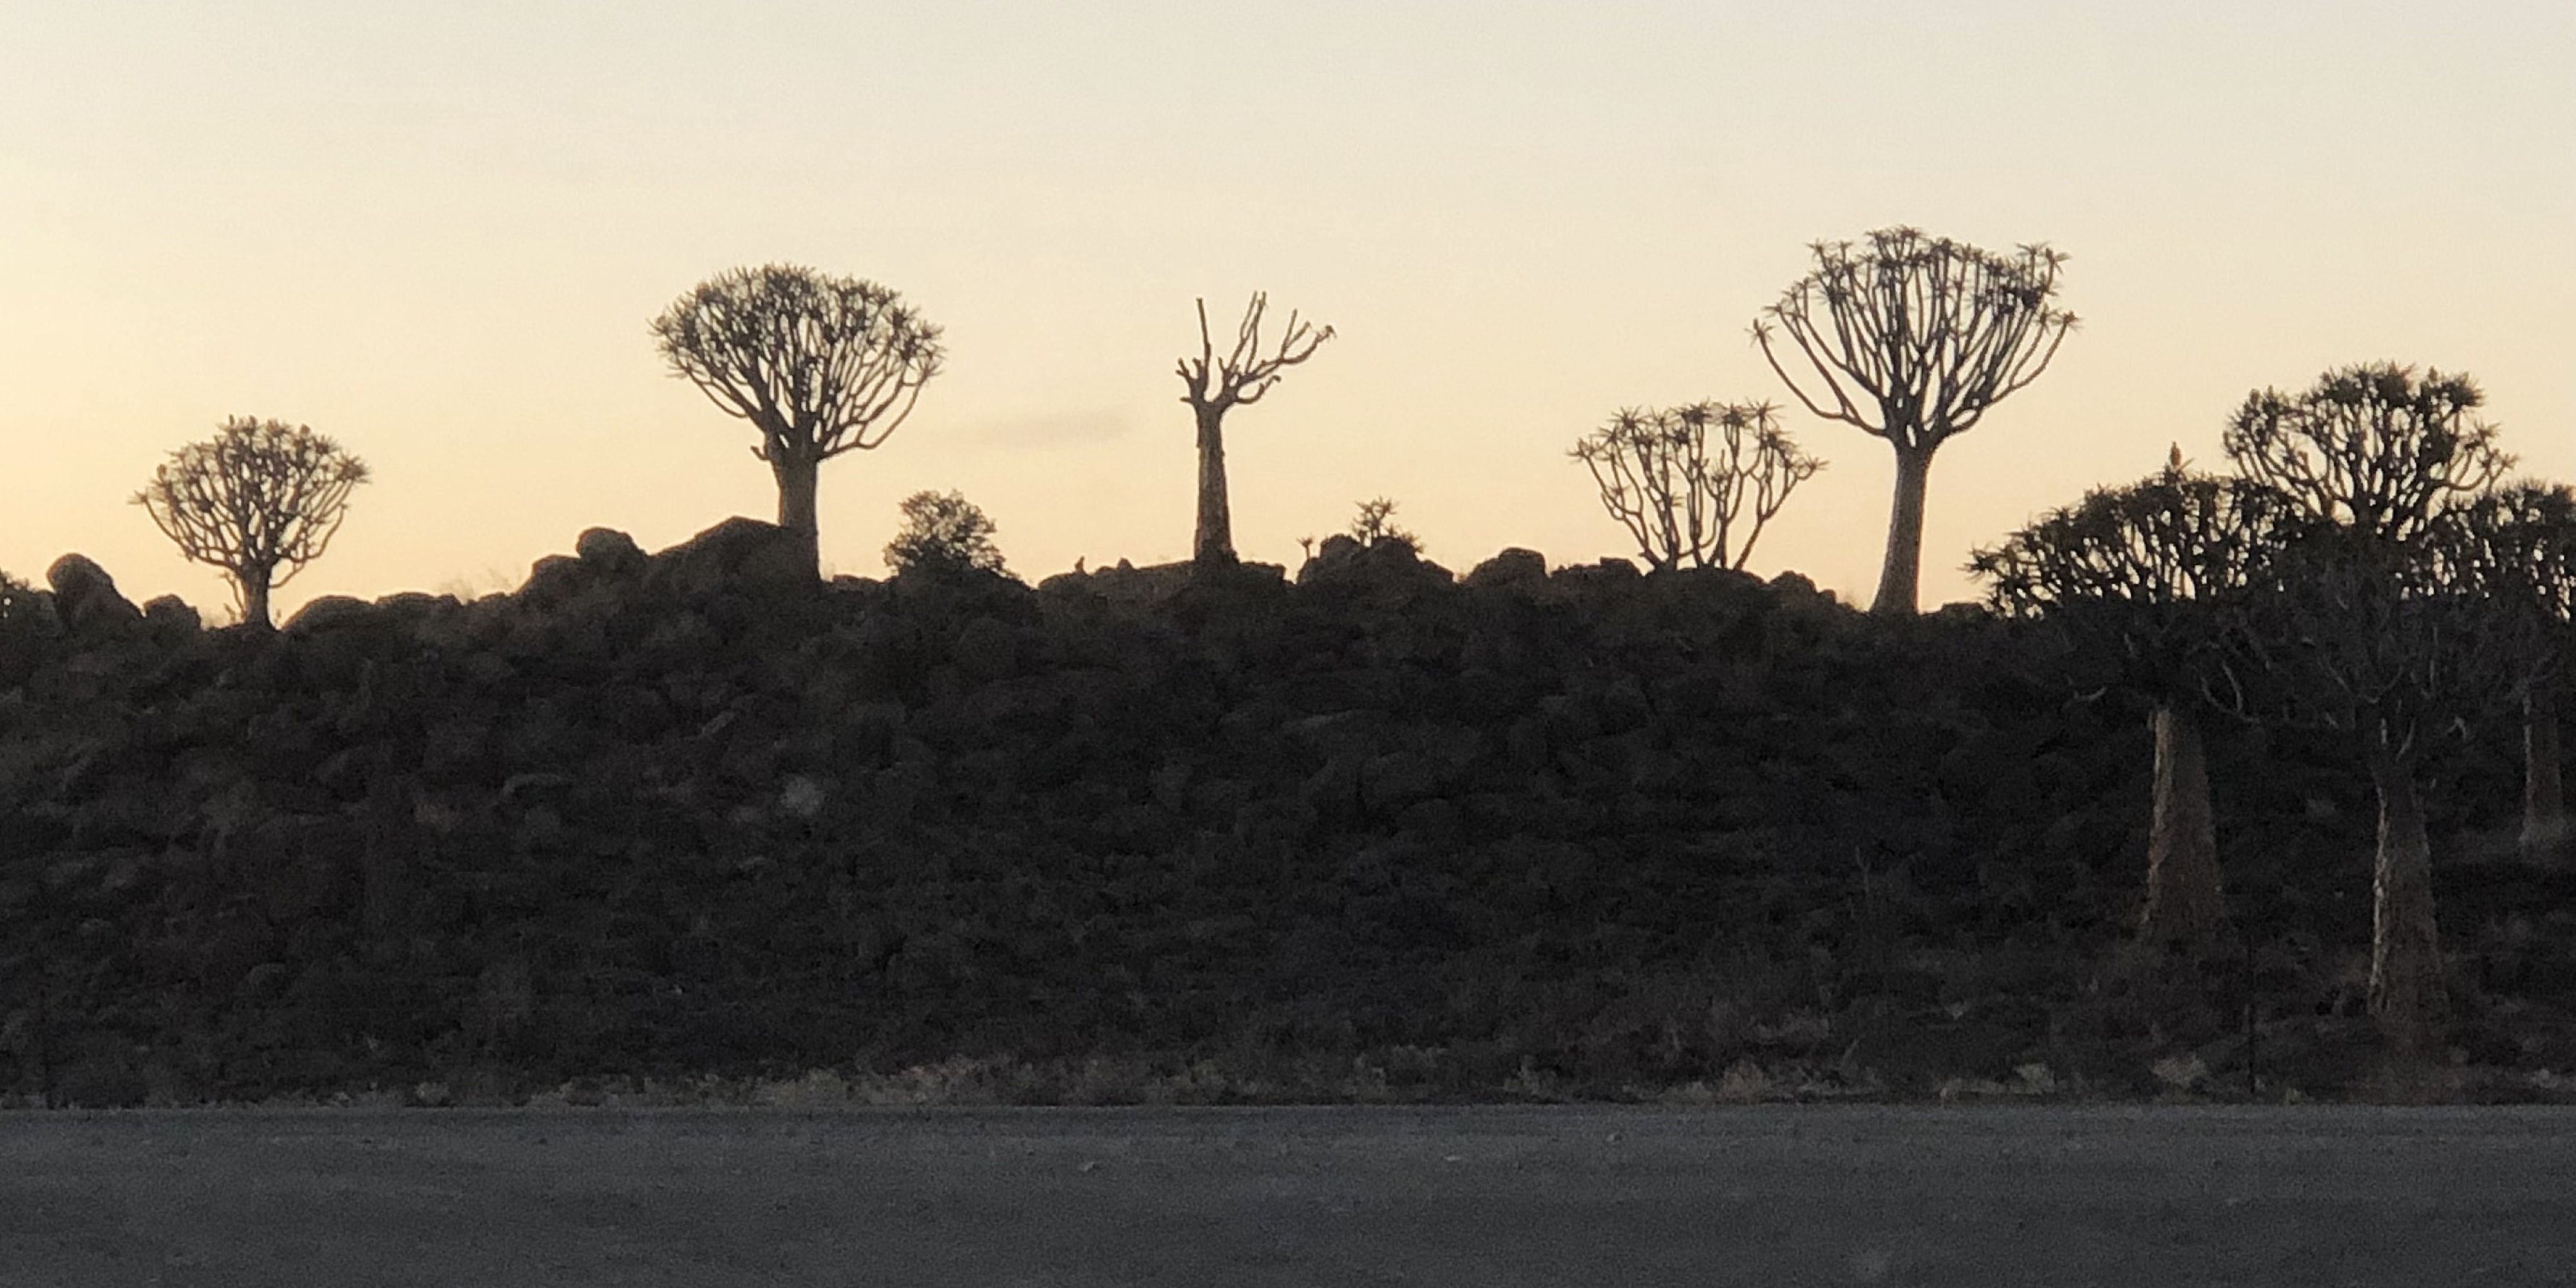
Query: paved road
x,y
1492,1197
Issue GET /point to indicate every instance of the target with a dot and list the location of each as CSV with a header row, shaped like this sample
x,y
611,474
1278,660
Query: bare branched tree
x,y
259,496
1912,338
2370,625
819,365
1659,481
2142,580
1212,386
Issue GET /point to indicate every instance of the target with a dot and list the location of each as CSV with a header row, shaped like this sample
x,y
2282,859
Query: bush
x,y
1374,526
943,533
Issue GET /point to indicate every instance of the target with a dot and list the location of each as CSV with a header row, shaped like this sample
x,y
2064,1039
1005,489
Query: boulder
x,y
736,553
1511,567
609,551
171,615
85,596
326,611
1388,565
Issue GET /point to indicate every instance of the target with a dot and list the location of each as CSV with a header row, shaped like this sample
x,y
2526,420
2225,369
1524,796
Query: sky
x,y
437,232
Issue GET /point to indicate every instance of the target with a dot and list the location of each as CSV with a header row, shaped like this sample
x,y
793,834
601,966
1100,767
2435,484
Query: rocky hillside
x,y
1526,832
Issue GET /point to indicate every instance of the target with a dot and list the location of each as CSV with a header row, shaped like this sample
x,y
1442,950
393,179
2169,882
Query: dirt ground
x,y
1490,1196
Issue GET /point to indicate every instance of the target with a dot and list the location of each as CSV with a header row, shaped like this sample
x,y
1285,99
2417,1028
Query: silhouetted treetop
x,y
1912,338
2370,447
1660,481
943,534
819,365
258,496
2144,572
1212,386
812,361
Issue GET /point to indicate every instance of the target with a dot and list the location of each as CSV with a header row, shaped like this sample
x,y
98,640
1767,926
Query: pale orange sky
x,y
437,233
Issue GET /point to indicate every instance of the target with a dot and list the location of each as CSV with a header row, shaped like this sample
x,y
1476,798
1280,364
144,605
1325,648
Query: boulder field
x,y
1578,828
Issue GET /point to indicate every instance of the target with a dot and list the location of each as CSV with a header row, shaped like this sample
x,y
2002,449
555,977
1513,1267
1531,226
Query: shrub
x,y
943,533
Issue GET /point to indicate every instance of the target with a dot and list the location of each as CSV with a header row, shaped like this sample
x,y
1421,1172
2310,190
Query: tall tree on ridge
x,y
1913,338
814,362
1214,385
258,496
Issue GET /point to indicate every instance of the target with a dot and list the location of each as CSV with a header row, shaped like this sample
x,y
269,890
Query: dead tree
x,y
2140,581
259,496
1213,386
1912,338
1658,480
2363,626
819,365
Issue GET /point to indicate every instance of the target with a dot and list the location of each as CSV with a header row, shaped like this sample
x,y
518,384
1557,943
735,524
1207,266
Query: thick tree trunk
x,y
796,485
1901,575
254,589
2544,791
1213,547
2406,991
2184,895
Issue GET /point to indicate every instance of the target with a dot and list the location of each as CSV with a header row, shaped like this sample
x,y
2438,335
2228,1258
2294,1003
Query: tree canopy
x,y
259,496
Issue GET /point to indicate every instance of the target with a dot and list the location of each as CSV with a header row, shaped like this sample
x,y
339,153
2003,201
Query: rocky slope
x,y
1581,829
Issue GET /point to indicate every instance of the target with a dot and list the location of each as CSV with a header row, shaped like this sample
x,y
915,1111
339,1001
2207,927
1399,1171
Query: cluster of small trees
x,y
2365,569
1909,338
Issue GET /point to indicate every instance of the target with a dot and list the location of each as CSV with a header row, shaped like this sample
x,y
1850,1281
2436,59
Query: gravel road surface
x,y
1488,1196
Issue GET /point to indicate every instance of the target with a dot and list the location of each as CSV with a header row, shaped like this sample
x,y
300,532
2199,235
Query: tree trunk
x,y
2184,895
1214,545
796,485
1901,575
254,592
2544,793
2406,992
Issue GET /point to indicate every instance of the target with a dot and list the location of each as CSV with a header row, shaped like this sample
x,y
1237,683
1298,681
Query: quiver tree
x,y
1911,339
2519,554
2139,580
819,365
1659,480
259,496
2362,627
1212,386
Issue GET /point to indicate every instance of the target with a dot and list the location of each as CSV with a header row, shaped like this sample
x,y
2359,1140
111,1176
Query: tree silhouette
x,y
258,496
943,534
1375,522
2365,625
1214,385
2520,555
1912,338
1658,480
2141,580
819,365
